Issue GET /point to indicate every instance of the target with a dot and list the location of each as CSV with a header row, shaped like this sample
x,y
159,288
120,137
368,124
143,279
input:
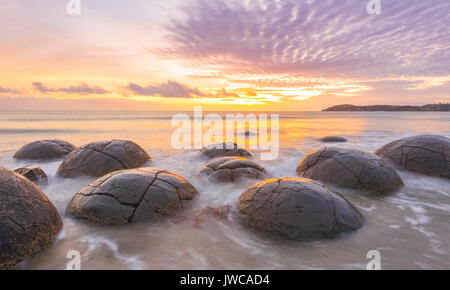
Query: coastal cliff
x,y
426,108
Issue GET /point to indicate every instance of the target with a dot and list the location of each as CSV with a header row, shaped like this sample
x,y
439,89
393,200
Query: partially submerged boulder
x,y
230,169
333,139
34,173
297,208
129,196
425,154
352,169
100,158
223,149
45,150
28,220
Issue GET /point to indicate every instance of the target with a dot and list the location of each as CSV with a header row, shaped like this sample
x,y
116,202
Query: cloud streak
x,y
170,89
81,89
7,90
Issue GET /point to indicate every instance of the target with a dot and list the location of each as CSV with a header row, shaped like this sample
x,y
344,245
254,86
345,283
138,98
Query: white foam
x,y
95,241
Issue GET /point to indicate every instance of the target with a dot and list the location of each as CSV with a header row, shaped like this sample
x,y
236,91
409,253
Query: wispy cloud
x,y
8,90
170,89
81,89
320,38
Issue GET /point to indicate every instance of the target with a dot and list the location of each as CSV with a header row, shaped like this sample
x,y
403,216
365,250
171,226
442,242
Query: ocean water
x,y
410,228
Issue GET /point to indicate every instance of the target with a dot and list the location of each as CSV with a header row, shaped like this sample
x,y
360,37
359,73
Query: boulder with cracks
x,y
230,169
100,158
297,208
28,220
130,196
34,173
352,169
223,149
44,150
425,154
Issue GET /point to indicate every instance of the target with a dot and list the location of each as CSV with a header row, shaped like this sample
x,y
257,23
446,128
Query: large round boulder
x,y
352,169
100,158
230,169
223,149
425,154
134,195
297,208
44,150
28,220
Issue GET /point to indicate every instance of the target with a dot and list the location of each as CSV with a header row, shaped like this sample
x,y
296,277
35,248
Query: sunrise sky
x,y
293,55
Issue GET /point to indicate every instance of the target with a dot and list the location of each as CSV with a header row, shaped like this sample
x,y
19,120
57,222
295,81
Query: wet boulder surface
x,y
425,154
297,208
100,158
130,196
45,150
230,169
351,169
28,220
333,139
222,150
34,173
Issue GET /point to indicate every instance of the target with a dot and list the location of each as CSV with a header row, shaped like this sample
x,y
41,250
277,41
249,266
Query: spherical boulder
x,y
28,220
34,173
223,149
100,158
297,208
333,139
130,196
229,169
45,150
352,169
425,154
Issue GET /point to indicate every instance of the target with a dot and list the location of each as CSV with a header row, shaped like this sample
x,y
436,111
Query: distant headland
x,y
441,107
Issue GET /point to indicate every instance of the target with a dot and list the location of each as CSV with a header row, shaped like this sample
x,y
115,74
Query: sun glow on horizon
x,y
176,56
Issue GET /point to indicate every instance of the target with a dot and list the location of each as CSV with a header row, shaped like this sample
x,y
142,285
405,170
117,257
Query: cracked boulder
x,y
34,173
28,220
223,149
44,150
130,196
352,169
100,158
297,208
229,169
425,154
